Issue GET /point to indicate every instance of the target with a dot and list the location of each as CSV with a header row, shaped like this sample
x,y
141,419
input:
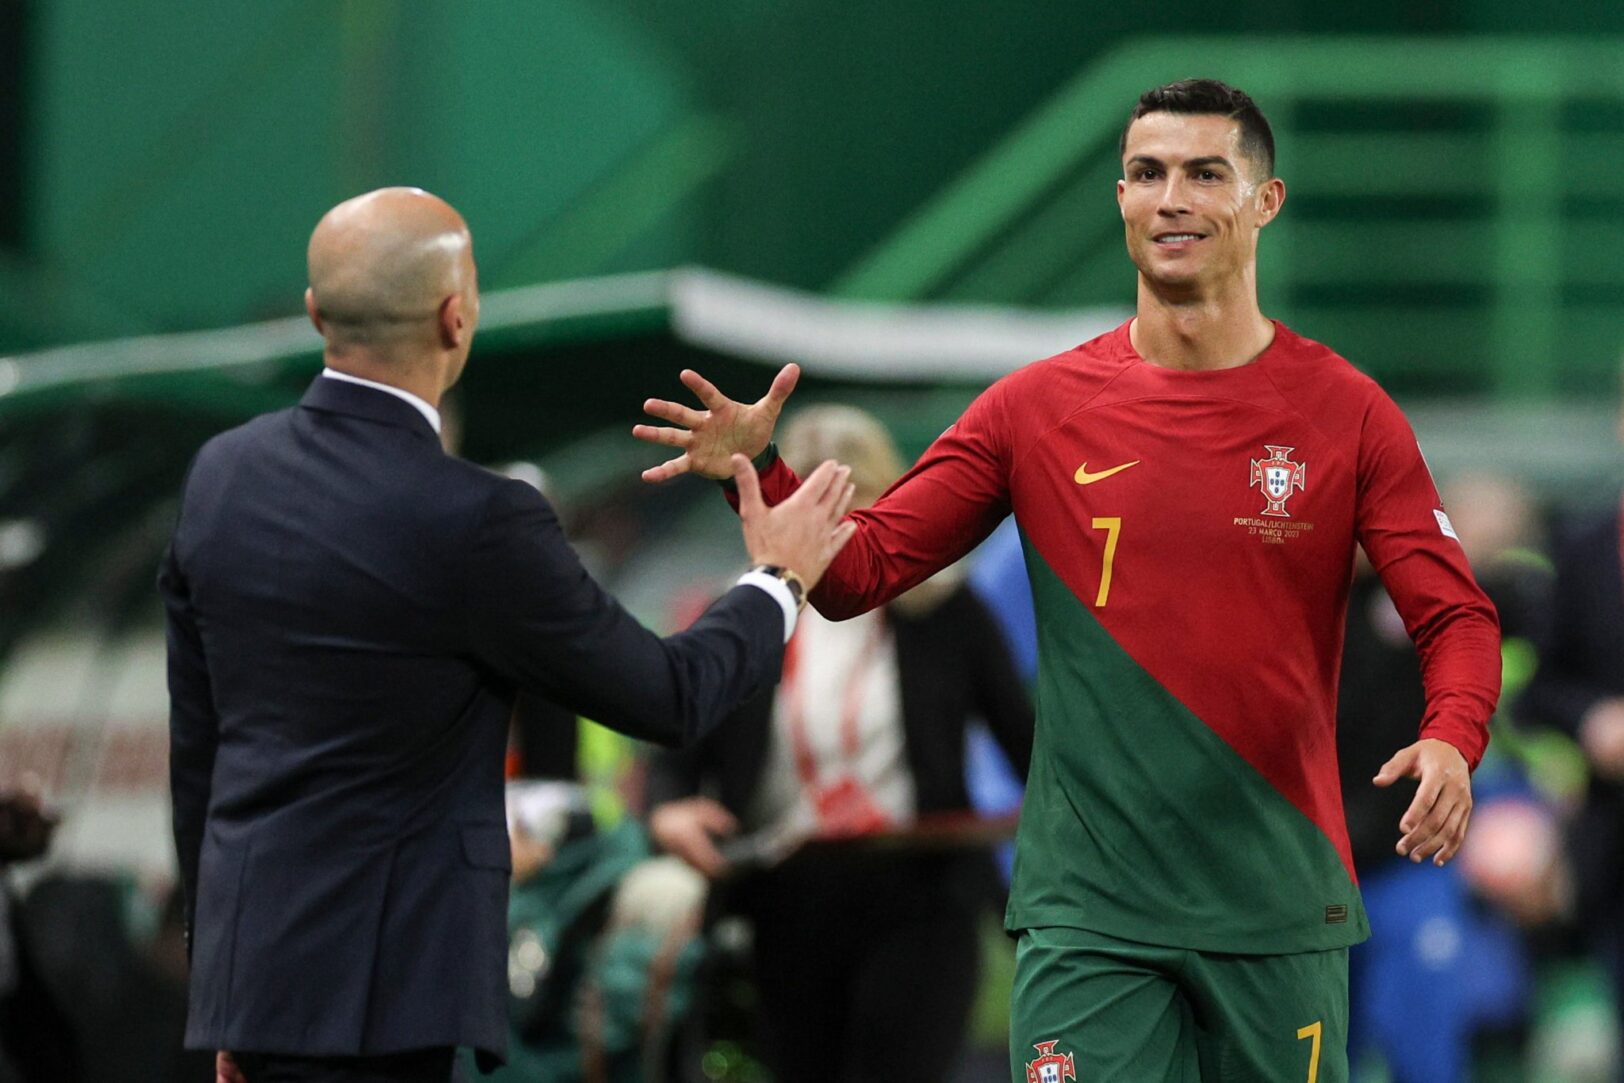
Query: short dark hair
x,y
1210,96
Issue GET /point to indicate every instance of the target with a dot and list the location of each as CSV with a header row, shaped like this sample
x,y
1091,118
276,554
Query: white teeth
x,y
1165,237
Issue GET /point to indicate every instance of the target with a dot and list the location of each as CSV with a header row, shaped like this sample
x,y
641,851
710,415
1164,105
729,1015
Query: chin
x,y
1176,278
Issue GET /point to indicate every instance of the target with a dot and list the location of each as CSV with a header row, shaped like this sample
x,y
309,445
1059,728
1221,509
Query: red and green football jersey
x,y
1190,540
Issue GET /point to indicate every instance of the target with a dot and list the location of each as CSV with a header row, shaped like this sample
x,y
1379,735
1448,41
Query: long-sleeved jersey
x,y
1190,540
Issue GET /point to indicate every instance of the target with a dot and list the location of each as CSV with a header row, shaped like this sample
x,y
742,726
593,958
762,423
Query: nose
x,y
1172,202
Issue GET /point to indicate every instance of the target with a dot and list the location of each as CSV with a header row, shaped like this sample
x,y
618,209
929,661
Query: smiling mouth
x,y
1176,238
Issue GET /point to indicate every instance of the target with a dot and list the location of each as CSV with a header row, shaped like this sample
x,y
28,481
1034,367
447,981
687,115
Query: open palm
x,y
709,437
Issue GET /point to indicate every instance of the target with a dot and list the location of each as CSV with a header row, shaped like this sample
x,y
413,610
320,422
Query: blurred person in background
x,y
36,1037
866,960
350,613
1190,488
1440,969
1579,688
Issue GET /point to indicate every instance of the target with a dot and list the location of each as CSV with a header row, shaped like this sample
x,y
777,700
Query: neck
x,y
1198,331
420,376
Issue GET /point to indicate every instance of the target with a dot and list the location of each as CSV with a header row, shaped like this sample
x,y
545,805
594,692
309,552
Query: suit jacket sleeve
x,y
193,726
540,620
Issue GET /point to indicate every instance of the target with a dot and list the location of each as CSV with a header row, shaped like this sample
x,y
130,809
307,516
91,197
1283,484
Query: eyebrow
x,y
1193,163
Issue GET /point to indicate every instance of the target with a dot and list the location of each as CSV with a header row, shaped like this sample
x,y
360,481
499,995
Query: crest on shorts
x,y
1278,477
1051,1067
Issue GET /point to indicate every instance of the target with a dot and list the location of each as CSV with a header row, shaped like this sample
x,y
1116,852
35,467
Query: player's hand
x,y
1601,735
689,829
226,1070
1434,826
709,438
804,532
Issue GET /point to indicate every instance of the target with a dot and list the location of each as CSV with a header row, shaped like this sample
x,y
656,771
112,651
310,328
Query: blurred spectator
x,y
36,1041
866,960
602,943
1439,968
1579,688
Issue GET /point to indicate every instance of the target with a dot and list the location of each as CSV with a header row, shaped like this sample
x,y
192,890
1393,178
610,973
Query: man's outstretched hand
x,y
804,532
1434,826
724,428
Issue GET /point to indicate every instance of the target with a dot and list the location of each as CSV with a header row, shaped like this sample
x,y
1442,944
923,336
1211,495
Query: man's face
x,y
1192,201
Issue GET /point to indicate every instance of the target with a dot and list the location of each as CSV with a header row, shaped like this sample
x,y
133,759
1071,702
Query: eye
x,y
1144,173
1210,175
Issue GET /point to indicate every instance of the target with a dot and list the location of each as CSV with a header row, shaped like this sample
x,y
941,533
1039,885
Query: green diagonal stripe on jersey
x,y
1142,823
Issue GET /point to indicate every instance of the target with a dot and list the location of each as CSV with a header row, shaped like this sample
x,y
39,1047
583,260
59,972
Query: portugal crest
x,y
1051,1067
1278,477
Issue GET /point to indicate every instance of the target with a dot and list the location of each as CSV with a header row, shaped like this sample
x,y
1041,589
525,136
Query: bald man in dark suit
x,y
350,614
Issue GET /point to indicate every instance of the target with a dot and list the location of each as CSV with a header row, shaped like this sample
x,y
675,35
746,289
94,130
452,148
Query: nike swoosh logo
x,y
1083,477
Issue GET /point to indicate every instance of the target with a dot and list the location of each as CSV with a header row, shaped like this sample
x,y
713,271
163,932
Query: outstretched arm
x,y
709,438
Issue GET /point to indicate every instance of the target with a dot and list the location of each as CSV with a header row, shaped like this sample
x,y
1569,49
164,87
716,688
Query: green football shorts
x,y
1095,1009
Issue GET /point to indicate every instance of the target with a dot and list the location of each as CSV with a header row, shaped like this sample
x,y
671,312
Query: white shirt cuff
x,y
780,592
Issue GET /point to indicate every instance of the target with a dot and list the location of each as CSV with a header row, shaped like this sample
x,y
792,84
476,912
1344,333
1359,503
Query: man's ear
x,y
313,311
453,322
1271,196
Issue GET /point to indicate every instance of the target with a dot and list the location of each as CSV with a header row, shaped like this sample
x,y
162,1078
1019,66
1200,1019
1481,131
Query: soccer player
x,y
1189,490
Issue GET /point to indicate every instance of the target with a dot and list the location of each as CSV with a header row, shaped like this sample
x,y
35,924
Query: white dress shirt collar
x,y
430,414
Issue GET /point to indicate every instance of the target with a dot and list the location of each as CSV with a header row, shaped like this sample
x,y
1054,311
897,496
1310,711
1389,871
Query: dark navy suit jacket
x,y
350,614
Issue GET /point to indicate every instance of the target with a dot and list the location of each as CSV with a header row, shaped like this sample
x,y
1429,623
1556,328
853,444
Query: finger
x,y
783,384
817,483
707,391
1426,796
1427,827
1432,837
659,435
744,476
667,470
1460,833
843,534
1401,764
1451,837
846,500
675,412
831,498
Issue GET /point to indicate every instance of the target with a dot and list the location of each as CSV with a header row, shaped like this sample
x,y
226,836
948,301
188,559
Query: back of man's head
x,y
382,264
1211,97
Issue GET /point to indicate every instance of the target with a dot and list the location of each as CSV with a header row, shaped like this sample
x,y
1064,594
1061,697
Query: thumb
x,y
1400,765
783,384
744,476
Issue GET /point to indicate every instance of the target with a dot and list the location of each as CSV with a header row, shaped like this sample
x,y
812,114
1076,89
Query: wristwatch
x,y
797,589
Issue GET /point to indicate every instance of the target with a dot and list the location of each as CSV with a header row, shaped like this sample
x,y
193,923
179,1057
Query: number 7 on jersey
x,y
1112,525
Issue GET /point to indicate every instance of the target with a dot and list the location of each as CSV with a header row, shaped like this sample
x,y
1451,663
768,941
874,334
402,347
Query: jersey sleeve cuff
x,y
768,456
1470,741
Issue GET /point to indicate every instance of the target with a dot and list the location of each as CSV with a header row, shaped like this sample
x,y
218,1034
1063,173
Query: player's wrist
x,y
761,462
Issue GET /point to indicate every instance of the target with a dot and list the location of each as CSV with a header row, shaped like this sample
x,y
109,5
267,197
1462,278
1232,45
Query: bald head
x,y
383,264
